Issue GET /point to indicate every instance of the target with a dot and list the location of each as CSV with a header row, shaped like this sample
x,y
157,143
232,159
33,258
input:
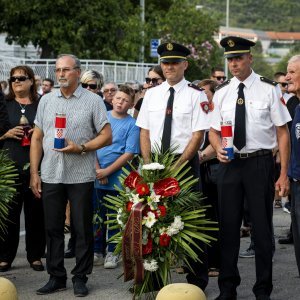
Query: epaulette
x,y
223,84
266,80
195,87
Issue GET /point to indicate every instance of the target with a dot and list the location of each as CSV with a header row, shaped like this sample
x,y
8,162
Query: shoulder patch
x,y
266,80
223,84
205,106
195,87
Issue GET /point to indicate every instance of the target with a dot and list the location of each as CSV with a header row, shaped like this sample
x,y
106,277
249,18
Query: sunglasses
x,y
220,77
92,86
19,78
153,80
109,90
283,84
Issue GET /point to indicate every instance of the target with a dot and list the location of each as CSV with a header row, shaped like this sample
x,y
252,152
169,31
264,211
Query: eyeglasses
x,y
109,90
65,70
19,78
153,80
92,86
283,84
220,77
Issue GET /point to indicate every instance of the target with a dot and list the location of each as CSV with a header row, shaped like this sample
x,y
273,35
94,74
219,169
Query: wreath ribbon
x,y
132,246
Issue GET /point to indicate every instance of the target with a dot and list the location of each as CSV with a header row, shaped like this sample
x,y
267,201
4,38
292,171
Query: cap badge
x,y
169,46
231,43
240,101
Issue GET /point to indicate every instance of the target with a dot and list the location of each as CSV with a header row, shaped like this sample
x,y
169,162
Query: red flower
x,y
163,210
132,179
166,187
129,206
164,240
142,189
147,249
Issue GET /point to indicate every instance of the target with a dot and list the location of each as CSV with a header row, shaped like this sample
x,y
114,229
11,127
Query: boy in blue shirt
x,y
111,160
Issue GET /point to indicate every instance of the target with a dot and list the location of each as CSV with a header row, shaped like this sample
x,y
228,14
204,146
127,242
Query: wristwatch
x,y
83,149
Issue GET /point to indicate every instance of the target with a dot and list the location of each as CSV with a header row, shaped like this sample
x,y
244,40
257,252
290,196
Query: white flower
x,y
176,226
153,166
151,265
119,214
135,199
154,197
149,220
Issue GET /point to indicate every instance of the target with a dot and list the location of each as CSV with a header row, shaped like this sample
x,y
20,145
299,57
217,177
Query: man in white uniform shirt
x,y
189,118
258,113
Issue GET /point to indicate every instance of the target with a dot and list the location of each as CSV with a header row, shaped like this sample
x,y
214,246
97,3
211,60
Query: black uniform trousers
x,y
34,224
199,276
55,200
251,179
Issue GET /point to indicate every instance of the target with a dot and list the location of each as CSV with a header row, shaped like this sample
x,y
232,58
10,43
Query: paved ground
x,y
104,284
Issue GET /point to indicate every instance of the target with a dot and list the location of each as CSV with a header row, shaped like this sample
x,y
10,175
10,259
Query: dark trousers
x,y
251,179
295,214
55,200
200,275
209,171
34,225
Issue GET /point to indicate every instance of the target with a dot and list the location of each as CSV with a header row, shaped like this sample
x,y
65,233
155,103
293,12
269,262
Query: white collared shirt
x,y
188,116
264,111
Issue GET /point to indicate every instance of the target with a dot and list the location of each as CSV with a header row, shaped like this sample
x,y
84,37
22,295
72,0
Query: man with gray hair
x,y
293,80
67,170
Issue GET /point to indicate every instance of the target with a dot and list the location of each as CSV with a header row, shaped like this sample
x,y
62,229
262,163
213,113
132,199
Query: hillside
x,y
269,15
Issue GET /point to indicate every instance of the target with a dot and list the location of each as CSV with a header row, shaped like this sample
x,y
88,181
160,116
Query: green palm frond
x,y
8,175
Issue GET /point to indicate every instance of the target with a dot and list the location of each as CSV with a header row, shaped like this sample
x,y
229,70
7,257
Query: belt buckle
x,y
243,155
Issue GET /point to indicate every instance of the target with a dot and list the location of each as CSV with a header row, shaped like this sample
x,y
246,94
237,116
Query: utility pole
x,y
142,48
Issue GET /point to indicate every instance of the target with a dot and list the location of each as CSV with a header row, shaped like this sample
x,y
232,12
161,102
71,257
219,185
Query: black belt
x,y
253,154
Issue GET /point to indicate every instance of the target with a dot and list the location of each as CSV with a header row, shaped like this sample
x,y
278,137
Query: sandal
x,y
213,272
245,231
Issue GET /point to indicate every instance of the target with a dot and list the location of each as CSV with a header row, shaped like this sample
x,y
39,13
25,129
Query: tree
x,y
282,65
89,29
184,24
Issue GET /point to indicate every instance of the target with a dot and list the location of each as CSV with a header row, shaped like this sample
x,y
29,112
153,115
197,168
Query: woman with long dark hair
x,y
22,102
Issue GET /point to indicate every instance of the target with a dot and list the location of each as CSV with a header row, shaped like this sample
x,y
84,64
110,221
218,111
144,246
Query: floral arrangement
x,y
160,217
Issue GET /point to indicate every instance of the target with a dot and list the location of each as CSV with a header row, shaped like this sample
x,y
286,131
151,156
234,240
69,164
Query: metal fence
x,y
116,71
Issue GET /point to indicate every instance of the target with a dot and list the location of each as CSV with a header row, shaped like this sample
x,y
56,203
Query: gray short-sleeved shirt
x,y
85,118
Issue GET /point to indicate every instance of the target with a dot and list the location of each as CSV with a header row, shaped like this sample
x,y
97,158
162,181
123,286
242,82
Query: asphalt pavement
x,y
105,284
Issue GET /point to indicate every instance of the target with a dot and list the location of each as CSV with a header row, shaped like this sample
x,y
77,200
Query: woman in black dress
x,y
21,103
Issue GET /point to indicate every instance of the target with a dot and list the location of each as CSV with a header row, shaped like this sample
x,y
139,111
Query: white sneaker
x,y
111,261
98,259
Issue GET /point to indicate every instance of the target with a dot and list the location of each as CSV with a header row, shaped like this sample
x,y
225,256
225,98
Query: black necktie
x,y
166,137
239,139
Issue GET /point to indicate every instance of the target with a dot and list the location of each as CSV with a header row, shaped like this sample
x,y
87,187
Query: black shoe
x,y
5,268
52,286
80,289
287,240
69,253
37,267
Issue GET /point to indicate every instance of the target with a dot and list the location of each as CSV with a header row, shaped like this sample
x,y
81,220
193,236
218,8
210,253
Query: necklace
x,y
23,107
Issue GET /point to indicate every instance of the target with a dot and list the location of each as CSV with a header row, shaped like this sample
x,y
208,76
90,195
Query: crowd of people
x,y
107,125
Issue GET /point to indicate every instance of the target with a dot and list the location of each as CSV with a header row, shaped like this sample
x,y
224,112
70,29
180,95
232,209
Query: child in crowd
x,y
111,159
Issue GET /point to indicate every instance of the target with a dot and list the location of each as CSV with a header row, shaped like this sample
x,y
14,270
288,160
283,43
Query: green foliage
x,y
98,29
270,15
111,29
8,175
282,65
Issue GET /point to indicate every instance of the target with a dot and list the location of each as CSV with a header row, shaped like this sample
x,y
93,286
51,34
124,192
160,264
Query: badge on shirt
x,y
205,106
282,101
